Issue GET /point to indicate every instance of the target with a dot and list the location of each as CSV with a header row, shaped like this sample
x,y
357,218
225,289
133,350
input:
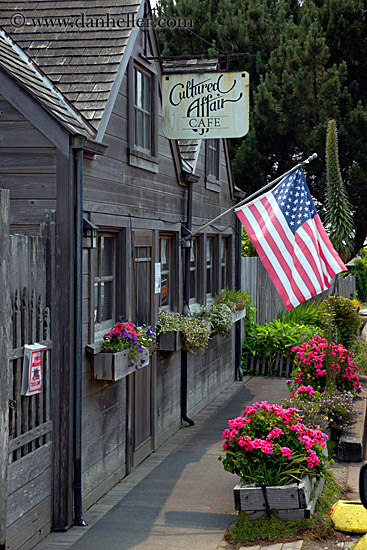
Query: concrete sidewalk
x,y
180,497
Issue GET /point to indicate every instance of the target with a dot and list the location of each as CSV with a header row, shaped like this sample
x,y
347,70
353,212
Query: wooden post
x,y
5,317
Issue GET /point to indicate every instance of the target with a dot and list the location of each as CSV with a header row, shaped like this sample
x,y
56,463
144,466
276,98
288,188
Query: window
x,y
212,164
165,257
143,110
223,261
104,281
193,272
209,267
142,118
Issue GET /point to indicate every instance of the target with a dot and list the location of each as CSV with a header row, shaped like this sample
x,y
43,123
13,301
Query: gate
x,y
26,510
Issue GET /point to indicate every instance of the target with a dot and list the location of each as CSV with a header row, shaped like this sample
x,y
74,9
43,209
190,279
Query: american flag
x,y
286,230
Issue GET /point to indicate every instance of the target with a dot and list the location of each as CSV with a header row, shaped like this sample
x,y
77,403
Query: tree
x,y
338,215
307,66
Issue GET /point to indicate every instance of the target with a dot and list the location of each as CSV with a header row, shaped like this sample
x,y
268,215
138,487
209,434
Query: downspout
x,y
186,241
238,282
77,485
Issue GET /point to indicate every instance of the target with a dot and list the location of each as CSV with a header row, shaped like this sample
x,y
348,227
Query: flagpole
x,y
312,157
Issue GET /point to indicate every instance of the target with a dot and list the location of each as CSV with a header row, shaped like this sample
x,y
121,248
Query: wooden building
x,y
81,139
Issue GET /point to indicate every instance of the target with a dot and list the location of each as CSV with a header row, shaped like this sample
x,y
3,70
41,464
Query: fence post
x,y
5,319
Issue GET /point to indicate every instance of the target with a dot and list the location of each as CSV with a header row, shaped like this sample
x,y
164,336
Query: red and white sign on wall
x,y
33,369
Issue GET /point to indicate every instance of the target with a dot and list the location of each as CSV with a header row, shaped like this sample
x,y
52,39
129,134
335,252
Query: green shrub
x,y
359,348
359,269
276,337
340,320
307,313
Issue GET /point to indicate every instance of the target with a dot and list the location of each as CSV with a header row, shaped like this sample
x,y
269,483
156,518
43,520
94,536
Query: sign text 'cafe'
x,y
206,105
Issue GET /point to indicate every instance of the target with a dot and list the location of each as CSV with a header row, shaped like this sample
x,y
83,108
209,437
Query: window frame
x,y
138,156
210,241
213,181
102,326
168,271
194,268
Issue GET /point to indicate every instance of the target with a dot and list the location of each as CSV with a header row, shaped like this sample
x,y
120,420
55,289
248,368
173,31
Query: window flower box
x,y
170,341
238,315
114,366
294,501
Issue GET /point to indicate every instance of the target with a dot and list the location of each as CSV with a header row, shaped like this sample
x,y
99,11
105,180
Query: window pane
x,y
163,253
147,132
209,251
209,281
96,302
193,284
106,301
139,137
147,94
138,89
164,290
106,252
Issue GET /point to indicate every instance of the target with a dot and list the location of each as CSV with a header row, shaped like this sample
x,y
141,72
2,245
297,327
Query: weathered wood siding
x,y
27,169
121,197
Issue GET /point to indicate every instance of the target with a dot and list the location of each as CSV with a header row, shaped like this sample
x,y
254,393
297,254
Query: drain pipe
x,y
77,485
186,241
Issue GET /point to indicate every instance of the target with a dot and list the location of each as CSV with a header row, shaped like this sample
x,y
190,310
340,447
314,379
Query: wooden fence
x,y
26,431
256,281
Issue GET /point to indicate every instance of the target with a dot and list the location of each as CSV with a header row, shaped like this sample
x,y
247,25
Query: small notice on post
x,y
33,369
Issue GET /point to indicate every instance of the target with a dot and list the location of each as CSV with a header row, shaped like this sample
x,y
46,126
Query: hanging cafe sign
x,y
207,105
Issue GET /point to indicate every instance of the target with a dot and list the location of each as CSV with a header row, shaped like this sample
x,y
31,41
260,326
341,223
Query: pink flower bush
x,y
271,445
320,363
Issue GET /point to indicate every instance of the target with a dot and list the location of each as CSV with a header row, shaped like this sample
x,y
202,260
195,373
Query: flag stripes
x,y
288,235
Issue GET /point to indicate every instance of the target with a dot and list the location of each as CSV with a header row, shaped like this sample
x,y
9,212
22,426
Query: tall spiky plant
x,y
339,218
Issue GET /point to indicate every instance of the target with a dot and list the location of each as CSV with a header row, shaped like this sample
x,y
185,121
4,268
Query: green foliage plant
x,y
359,348
271,445
168,321
338,211
359,269
340,319
307,313
219,316
276,337
195,332
247,248
237,300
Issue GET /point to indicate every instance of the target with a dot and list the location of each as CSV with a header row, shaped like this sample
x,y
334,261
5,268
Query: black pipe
x,y
238,341
187,243
77,485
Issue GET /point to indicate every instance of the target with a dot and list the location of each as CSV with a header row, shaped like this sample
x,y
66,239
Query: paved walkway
x,y
180,498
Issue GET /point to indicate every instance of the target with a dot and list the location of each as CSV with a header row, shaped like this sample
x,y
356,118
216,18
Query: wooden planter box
x,y
143,360
113,366
294,501
238,314
170,341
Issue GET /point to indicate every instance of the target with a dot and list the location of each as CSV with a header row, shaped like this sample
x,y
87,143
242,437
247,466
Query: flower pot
x,y
294,501
170,341
111,366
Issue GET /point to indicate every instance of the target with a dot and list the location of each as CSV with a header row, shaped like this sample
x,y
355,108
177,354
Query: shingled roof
x,y
17,64
79,57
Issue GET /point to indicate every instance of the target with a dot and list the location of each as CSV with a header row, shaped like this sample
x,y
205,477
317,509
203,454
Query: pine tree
x,y
308,65
338,214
